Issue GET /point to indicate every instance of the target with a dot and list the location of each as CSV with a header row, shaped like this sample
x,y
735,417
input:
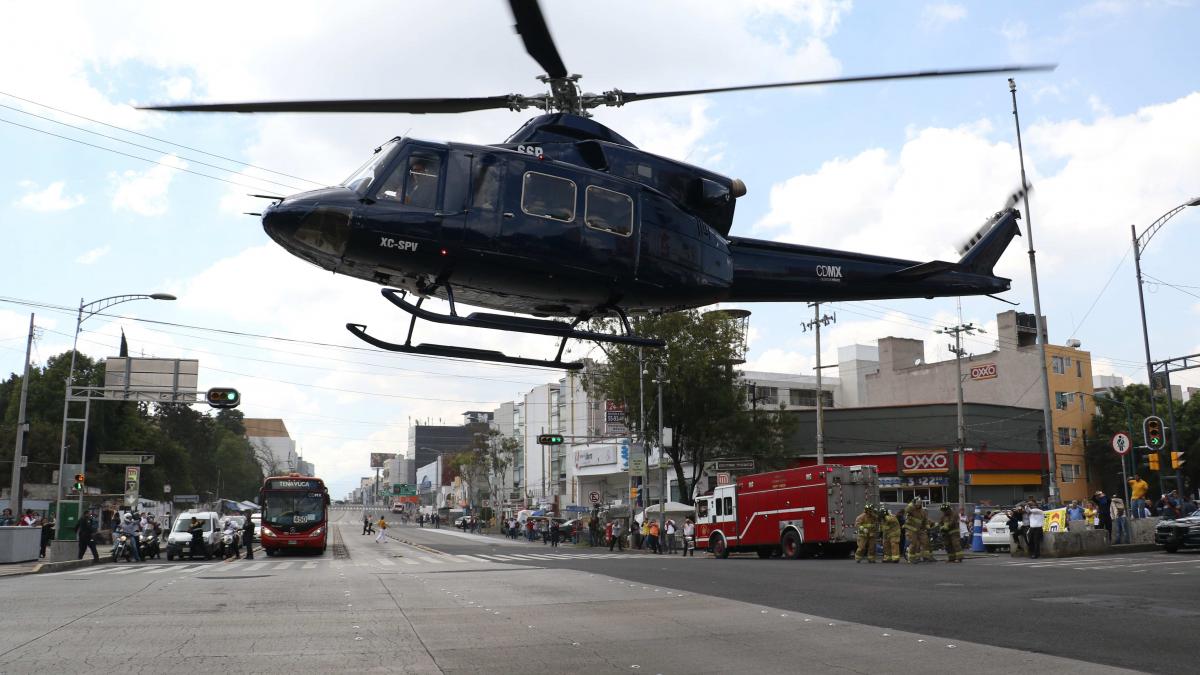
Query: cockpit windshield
x,y
361,179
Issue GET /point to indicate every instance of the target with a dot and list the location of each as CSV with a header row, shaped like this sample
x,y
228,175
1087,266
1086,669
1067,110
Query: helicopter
x,y
567,220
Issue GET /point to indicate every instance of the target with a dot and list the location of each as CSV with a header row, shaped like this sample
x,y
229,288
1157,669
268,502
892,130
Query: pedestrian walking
x,y
1037,518
84,531
47,534
615,538
382,524
366,522
689,537
555,531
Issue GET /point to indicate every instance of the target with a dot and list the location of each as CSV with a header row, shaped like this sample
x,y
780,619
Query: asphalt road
x,y
450,602
1114,610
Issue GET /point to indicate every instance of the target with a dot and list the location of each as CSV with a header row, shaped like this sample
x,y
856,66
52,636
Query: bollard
x,y
977,538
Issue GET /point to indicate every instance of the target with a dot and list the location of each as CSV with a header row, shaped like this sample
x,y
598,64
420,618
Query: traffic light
x,y
1153,457
1152,430
224,397
1176,460
550,439
79,482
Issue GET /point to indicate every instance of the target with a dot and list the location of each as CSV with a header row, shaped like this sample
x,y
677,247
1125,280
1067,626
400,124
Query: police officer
x,y
890,527
86,529
248,536
196,529
916,529
867,527
948,524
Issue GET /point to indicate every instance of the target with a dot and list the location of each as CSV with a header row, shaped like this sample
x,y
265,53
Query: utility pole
x,y
1047,419
645,447
958,331
815,324
14,494
662,471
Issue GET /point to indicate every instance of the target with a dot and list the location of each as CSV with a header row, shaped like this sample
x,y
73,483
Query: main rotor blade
x,y
416,106
627,97
531,25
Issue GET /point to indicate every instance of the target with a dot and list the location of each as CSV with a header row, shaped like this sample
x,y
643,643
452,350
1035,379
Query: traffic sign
x,y
735,465
167,488
133,473
1121,442
187,498
125,458
594,496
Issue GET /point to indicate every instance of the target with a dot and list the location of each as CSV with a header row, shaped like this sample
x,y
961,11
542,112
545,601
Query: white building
x,y
273,446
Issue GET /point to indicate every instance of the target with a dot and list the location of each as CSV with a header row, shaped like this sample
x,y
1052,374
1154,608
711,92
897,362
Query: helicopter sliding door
x,y
609,237
541,215
484,205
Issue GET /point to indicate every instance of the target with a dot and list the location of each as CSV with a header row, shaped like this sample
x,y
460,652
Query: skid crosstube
x,y
449,351
517,324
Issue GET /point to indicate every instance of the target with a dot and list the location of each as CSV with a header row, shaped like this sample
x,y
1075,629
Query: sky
x,y
99,199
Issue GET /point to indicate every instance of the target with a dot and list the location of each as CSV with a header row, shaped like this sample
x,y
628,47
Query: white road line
x,y
434,561
98,570
255,566
406,561
308,565
282,566
521,557
1145,564
541,557
470,558
385,563
455,559
164,568
128,570
505,558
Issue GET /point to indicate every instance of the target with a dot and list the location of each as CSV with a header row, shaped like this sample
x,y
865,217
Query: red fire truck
x,y
794,512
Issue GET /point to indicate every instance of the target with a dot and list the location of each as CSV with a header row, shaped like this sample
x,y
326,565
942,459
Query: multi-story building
x,y
1007,375
274,448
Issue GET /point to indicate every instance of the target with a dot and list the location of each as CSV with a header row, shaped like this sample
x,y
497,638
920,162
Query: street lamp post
x,y
86,311
1139,245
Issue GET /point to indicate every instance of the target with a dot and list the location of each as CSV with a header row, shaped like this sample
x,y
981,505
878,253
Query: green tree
x,y
704,400
1111,418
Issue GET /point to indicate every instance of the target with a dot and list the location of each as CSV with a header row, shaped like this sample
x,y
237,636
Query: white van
x,y
179,541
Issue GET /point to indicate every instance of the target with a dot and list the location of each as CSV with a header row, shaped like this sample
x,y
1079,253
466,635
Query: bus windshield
x,y
289,509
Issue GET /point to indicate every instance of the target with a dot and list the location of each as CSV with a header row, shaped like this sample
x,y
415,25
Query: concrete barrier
x,y
19,544
1080,542
1141,530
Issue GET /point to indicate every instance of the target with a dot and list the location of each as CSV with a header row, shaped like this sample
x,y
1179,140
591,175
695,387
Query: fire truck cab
x,y
794,512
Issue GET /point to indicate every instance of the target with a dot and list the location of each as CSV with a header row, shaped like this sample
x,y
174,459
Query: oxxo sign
x,y
984,371
917,462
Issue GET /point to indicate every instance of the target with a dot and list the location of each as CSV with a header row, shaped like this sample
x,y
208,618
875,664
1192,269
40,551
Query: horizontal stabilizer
x,y
924,270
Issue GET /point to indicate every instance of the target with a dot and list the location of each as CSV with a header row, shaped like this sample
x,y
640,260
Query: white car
x,y
256,518
995,532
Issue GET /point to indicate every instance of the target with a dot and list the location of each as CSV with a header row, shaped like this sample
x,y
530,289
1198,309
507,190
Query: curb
x,y
65,565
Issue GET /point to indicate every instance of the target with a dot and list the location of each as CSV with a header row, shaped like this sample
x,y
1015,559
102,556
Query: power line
x,y
160,140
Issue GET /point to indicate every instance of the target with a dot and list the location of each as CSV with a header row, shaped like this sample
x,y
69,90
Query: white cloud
x,y
1099,108
937,16
90,257
944,182
51,198
145,192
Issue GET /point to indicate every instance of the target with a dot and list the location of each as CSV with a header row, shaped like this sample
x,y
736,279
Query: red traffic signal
x,y
224,397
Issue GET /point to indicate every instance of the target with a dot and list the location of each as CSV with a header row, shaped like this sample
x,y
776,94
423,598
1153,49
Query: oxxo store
x,y
993,477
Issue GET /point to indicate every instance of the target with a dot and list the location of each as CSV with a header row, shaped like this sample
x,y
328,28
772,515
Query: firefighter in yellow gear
x,y
867,527
916,528
948,524
890,527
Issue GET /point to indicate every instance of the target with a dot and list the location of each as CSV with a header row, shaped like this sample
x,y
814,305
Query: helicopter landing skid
x,y
470,353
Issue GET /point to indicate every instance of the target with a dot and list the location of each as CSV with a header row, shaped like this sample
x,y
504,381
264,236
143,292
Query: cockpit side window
x,y
414,182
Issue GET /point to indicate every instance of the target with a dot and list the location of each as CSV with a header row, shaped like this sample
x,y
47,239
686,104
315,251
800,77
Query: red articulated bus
x,y
294,514
794,512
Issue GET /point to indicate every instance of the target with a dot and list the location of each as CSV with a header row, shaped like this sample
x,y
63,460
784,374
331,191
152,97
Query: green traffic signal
x,y
223,397
550,439
1152,428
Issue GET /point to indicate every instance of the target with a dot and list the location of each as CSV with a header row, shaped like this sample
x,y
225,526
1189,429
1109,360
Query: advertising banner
x,y
596,456
614,418
1056,520
379,459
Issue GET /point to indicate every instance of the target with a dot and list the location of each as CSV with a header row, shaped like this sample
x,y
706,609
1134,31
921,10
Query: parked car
x,y
1173,535
256,518
995,532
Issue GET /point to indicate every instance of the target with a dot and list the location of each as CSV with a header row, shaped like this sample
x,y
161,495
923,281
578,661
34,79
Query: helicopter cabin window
x,y
548,196
414,183
608,211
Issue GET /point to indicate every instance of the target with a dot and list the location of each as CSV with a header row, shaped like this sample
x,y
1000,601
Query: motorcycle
x,y
148,545
121,548
230,542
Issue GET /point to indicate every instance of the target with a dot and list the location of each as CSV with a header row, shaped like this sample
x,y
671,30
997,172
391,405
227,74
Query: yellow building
x,y
1070,371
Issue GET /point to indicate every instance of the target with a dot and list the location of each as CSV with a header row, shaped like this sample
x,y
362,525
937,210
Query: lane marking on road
x,y
160,570
385,563
504,558
470,558
518,556
406,561
282,566
309,565
190,568
538,556
493,557
127,570
1145,564
1064,561
99,570
255,566
455,559
434,561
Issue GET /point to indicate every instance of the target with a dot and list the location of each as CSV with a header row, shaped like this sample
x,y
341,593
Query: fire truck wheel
x,y
790,543
719,548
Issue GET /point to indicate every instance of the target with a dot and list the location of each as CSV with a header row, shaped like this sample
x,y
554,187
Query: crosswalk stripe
x,y
128,570
160,570
541,557
517,556
308,565
455,559
255,566
504,558
282,566
470,558
98,570
434,561
385,563
406,561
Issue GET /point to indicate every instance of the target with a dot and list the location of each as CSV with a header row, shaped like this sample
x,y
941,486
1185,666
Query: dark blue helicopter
x,y
567,218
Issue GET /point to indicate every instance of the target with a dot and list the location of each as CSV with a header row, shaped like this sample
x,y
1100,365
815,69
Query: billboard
x,y
614,418
596,456
139,379
379,459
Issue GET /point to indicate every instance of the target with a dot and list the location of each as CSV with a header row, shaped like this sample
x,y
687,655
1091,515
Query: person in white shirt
x,y
689,537
670,537
1037,519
